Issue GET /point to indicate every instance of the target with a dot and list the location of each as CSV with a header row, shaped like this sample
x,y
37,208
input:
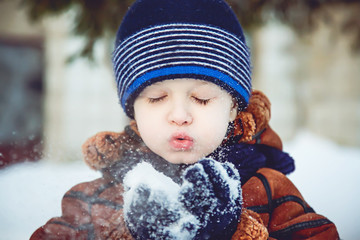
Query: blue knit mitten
x,y
211,191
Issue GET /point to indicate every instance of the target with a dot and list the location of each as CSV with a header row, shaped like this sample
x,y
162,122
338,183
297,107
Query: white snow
x,y
31,194
326,174
328,177
162,190
144,173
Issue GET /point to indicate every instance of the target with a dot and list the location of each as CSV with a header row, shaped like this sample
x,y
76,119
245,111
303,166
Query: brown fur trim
x,y
251,227
99,150
259,107
105,148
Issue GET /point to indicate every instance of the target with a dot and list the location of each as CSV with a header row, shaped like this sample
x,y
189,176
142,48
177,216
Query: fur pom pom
x,y
252,125
244,126
251,227
254,119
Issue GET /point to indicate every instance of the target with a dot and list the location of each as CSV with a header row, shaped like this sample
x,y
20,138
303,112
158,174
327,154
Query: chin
x,y
183,159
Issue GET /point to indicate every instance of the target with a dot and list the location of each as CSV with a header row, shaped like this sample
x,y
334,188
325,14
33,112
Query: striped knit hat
x,y
167,39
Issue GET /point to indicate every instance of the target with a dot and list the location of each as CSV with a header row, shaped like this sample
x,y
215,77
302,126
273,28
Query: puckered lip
x,y
181,141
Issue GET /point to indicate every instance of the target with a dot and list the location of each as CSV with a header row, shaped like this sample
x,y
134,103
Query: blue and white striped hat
x,y
167,39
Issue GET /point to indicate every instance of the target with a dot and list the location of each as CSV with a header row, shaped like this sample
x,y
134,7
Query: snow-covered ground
x,y
327,175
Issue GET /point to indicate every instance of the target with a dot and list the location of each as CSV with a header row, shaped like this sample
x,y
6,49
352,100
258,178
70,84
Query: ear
x,y
233,111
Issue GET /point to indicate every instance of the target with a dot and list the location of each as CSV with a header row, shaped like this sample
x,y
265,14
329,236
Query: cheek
x,y
214,126
216,130
150,126
146,126
143,120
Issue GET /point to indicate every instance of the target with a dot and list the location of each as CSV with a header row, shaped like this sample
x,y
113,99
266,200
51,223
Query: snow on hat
x,y
167,39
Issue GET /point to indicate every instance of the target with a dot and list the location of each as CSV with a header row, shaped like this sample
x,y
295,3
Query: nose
x,y
180,115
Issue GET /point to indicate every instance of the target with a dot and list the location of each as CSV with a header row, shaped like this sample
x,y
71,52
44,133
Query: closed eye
x,y
157,99
201,101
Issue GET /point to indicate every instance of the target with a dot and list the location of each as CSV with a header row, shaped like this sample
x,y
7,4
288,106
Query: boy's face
x,y
183,120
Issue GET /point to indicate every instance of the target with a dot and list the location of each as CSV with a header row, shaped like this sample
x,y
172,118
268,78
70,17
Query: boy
x,y
199,161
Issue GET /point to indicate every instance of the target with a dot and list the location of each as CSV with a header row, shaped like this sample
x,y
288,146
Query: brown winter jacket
x,y
272,206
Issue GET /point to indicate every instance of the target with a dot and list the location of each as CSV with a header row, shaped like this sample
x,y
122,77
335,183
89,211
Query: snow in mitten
x,y
212,192
151,207
206,206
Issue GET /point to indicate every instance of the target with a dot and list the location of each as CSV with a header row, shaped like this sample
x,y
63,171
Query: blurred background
x,y
57,89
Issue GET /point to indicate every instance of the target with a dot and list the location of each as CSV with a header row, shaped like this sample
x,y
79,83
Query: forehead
x,y
183,83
